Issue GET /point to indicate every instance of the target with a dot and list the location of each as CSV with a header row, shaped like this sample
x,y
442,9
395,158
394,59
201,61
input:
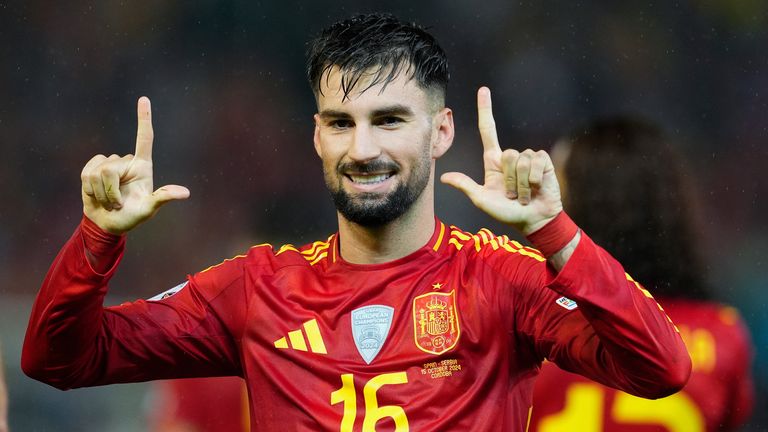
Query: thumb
x,y
462,182
169,193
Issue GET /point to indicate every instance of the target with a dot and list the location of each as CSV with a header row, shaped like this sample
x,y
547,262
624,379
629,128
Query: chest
x,y
333,344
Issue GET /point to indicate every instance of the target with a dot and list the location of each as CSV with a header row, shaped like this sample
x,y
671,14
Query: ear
x,y
445,132
316,136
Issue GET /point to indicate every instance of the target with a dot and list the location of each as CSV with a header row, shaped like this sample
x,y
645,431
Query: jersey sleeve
x,y
591,318
73,341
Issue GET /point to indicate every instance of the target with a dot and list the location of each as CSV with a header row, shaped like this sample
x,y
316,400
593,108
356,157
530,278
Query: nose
x,y
363,146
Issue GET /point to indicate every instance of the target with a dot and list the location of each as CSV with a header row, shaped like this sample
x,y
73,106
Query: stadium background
x,y
232,116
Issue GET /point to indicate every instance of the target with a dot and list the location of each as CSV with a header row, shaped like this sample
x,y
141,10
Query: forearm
x,y
66,319
636,347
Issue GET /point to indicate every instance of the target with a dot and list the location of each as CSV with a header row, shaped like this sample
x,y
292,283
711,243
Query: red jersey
x,y
718,396
448,338
200,405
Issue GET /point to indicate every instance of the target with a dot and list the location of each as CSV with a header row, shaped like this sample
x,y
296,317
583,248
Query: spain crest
x,y
435,322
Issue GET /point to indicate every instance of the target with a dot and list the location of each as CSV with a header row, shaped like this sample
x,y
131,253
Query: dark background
x,y
232,116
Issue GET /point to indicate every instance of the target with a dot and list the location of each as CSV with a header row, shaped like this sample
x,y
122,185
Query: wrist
x,y
554,235
96,239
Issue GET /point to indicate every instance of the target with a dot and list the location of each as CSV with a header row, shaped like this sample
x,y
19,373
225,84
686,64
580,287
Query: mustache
x,y
377,165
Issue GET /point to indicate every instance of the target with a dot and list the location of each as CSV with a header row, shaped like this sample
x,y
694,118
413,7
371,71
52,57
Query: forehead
x,y
402,90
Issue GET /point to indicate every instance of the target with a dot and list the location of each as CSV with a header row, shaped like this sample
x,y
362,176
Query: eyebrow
x,y
393,110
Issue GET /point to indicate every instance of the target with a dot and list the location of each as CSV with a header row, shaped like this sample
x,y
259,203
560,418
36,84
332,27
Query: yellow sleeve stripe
x,y
485,236
317,252
640,287
316,246
456,243
315,339
650,296
235,257
287,247
478,245
460,235
318,259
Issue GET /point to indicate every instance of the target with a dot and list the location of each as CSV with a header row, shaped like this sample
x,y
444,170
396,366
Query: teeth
x,y
369,179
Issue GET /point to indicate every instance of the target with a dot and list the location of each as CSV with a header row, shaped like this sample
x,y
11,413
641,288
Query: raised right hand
x,y
117,191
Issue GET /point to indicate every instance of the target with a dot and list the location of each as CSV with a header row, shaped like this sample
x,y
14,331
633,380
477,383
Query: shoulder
x,y
485,247
268,258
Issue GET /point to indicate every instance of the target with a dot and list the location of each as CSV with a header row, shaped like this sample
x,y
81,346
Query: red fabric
x,y
473,317
553,236
199,405
99,245
718,397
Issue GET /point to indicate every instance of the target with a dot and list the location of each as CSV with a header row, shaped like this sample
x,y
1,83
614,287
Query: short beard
x,y
373,210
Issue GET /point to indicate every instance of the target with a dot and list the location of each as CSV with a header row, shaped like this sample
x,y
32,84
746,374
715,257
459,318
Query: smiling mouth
x,y
368,179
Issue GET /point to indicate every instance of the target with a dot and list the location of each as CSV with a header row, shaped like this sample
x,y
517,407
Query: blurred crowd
x,y
233,122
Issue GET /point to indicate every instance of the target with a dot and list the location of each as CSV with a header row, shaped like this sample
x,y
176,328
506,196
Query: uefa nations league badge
x,y
370,327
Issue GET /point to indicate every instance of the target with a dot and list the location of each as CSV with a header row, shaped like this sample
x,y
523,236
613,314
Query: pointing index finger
x,y
485,122
144,133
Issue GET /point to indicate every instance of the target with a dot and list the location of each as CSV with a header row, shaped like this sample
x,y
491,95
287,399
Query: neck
x,y
399,238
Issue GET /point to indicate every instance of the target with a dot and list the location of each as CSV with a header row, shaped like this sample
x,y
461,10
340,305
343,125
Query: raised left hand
x,y
520,189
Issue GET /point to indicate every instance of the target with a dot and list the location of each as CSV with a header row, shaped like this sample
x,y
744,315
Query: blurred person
x,y
198,405
398,320
626,184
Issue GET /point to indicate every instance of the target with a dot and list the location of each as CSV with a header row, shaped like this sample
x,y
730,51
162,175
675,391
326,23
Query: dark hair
x,y
629,189
381,43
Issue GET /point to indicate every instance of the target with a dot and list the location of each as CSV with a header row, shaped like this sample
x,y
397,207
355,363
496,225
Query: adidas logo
x,y
298,342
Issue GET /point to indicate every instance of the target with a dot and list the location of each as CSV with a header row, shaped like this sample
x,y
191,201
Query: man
x,y
398,321
652,230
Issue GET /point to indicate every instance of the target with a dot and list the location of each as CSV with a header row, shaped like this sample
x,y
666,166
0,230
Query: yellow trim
x,y
533,255
439,237
483,235
476,238
318,251
456,243
311,249
226,260
315,338
286,247
297,340
319,258
461,235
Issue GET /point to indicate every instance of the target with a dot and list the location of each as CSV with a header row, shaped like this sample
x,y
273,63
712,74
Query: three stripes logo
x,y
297,340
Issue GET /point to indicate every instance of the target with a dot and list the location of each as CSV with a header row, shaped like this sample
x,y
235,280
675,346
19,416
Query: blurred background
x,y
233,122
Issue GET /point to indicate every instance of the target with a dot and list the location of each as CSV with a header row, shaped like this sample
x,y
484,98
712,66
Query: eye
x,y
389,121
340,124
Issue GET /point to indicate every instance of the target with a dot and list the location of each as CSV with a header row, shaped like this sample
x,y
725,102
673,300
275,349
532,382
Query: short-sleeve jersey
x,y
718,396
448,338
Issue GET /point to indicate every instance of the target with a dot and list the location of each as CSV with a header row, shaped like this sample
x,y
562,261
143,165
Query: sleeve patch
x,y
567,303
165,294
